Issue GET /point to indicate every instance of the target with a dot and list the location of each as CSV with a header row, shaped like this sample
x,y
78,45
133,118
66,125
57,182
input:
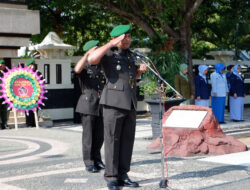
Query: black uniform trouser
x,y
30,119
3,113
119,135
92,138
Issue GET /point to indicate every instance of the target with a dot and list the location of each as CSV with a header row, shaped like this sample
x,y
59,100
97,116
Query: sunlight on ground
x,y
245,140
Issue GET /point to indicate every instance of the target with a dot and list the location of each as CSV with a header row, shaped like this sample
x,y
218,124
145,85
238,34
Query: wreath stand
x,y
15,118
23,89
36,119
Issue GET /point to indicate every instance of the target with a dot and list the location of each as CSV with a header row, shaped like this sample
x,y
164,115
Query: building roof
x,y
52,41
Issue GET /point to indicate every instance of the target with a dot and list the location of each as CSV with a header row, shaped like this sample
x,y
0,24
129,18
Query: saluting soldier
x,y
119,104
3,107
91,80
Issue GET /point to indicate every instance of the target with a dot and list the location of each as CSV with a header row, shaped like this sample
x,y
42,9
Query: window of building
x,y
47,73
58,74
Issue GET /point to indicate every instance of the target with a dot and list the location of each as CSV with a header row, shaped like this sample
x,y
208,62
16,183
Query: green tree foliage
x,y
214,26
194,26
205,25
74,21
167,64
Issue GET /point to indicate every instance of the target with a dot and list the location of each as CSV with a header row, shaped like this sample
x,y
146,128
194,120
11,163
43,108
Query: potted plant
x,y
167,63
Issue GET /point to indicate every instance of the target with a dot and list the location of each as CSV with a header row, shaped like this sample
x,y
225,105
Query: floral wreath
x,y
12,99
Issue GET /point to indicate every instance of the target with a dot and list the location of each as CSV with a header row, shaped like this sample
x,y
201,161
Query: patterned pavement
x,y
50,159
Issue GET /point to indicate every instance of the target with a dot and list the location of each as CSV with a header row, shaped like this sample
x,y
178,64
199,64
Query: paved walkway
x,y
51,159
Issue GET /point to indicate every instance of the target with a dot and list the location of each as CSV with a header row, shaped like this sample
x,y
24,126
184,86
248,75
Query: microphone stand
x,y
163,183
160,77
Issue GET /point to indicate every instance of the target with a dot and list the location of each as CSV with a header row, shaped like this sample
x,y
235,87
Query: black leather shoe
x,y
234,120
4,127
99,165
128,183
91,169
113,185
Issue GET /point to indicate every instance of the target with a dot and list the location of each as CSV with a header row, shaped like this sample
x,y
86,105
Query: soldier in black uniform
x,y
92,81
119,105
3,107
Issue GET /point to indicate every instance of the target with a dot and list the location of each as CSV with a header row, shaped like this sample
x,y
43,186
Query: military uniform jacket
x,y
1,76
91,81
120,72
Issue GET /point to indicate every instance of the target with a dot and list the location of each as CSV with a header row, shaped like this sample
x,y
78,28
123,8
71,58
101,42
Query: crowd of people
x,y
107,76
221,87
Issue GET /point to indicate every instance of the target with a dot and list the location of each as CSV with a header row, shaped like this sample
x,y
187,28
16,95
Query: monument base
x,y
207,139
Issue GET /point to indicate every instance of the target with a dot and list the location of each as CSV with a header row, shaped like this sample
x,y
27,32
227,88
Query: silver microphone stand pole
x,y
163,183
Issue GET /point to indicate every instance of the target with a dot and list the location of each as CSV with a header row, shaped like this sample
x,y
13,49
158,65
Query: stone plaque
x,y
185,119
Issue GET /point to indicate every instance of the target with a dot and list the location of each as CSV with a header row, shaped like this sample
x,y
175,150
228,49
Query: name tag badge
x,y
117,57
89,71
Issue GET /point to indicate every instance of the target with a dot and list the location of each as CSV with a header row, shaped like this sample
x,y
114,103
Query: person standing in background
x,y
219,91
183,84
4,113
236,94
30,117
202,88
91,81
228,75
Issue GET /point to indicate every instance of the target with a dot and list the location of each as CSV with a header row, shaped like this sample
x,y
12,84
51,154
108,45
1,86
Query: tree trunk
x,y
183,42
189,54
185,47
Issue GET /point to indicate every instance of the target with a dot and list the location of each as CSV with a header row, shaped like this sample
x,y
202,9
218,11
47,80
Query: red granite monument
x,y
193,130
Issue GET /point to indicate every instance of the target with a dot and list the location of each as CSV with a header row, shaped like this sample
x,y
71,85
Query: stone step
x,y
18,113
20,118
12,120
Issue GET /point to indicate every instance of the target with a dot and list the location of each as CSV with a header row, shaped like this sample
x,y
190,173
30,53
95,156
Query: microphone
x,y
140,54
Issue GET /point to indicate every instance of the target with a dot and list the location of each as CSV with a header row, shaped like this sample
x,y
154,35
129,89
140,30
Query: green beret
x,y
119,30
1,62
90,44
32,61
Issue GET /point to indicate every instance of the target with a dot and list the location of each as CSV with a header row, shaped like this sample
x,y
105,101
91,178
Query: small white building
x,y
56,70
